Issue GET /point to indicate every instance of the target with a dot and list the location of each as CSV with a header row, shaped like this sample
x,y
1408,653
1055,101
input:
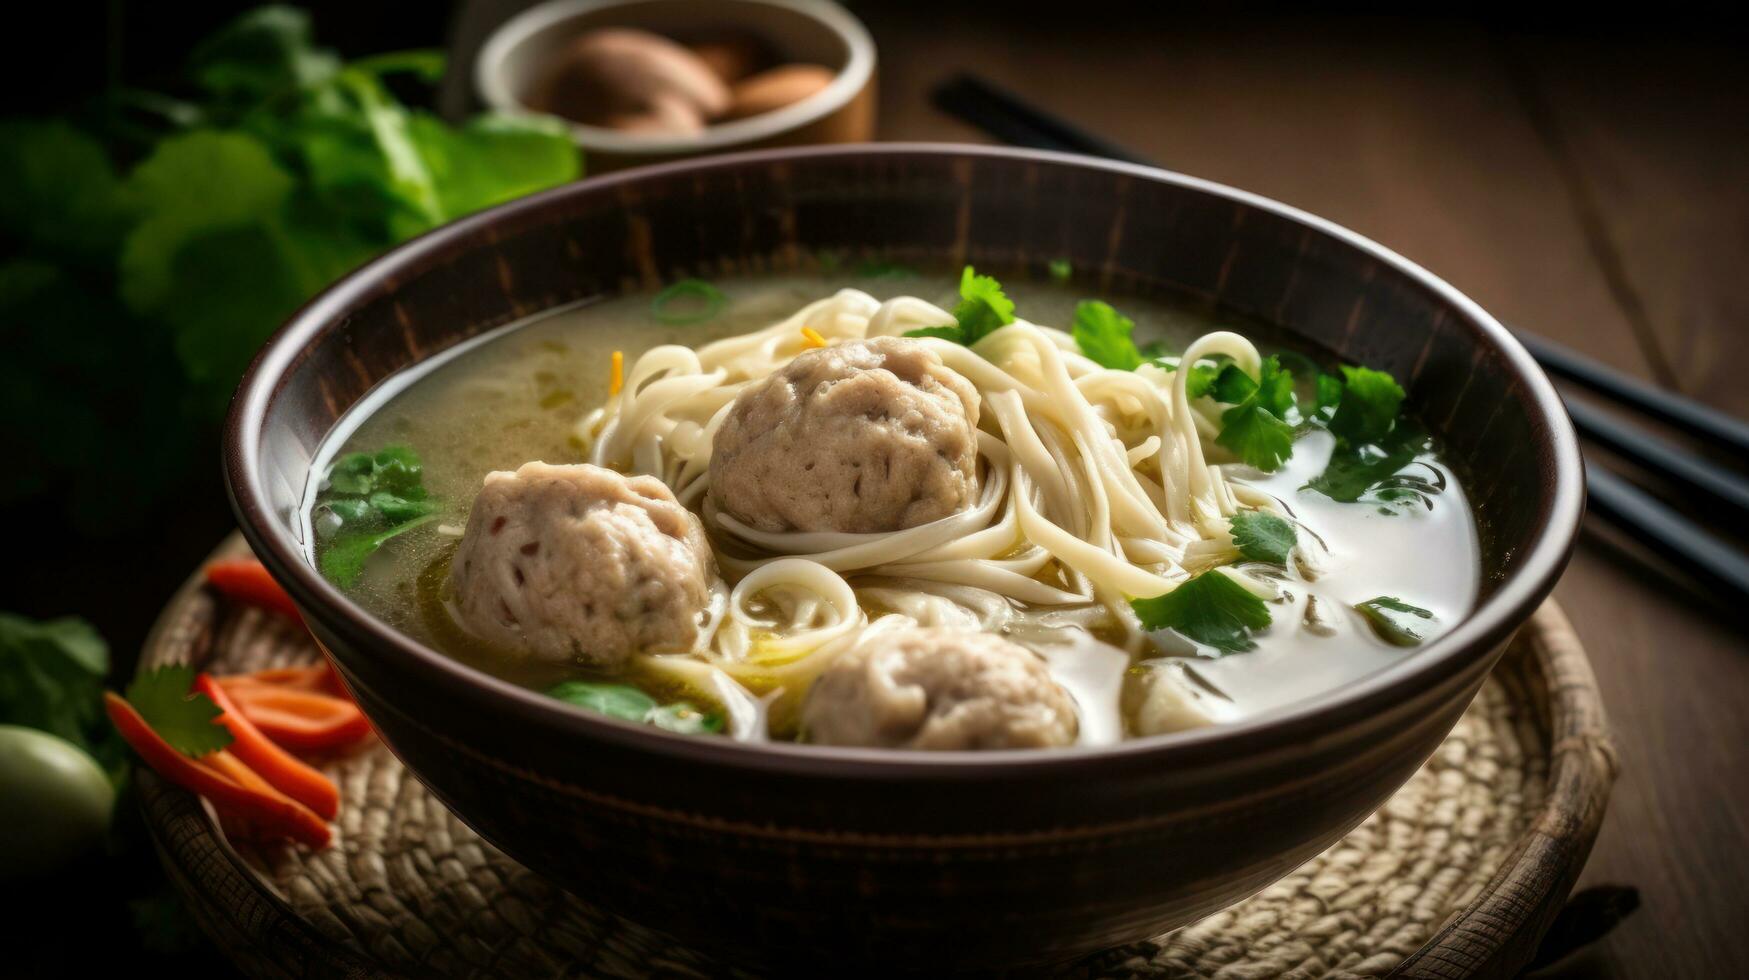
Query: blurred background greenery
x,y
177,181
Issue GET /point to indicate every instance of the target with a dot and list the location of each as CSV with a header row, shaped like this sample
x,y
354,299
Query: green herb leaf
x,y
185,718
51,679
1256,436
1329,393
1374,472
1104,335
343,558
261,54
628,703
1201,380
1210,609
1395,621
1262,536
614,700
493,158
62,195
1061,271
375,496
191,185
1258,428
687,301
1368,406
983,309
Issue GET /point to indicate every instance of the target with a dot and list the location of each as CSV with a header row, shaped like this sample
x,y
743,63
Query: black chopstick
x,y
1649,451
1010,119
1660,527
1684,413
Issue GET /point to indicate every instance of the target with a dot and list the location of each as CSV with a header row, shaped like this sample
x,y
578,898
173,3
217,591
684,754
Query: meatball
x,y
579,564
932,688
871,435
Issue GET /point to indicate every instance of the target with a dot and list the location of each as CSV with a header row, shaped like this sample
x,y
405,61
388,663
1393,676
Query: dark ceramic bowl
x,y
806,854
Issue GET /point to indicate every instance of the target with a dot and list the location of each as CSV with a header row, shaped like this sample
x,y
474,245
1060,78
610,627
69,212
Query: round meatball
x,y
871,435
579,564
932,688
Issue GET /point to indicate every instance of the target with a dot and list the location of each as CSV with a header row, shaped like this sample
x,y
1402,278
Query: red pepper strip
x,y
310,679
274,812
274,764
302,721
320,679
246,580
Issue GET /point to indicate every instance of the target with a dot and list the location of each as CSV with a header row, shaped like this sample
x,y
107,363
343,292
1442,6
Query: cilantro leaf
x,y
628,703
1210,609
51,679
261,54
614,700
1328,394
492,158
1395,621
1368,406
62,195
1200,381
1262,536
373,497
187,719
983,309
1104,335
1374,472
1259,427
343,558
277,169
1256,436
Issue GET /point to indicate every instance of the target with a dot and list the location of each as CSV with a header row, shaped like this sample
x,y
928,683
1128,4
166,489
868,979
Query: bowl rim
x,y
1486,628
849,80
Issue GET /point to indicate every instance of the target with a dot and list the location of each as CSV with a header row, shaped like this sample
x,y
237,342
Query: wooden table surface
x,y
1593,191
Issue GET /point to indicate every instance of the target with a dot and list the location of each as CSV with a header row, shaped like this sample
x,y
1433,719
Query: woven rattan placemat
x,y
1458,872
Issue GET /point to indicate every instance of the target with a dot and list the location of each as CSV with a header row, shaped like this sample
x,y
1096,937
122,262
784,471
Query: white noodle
x,y
1094,489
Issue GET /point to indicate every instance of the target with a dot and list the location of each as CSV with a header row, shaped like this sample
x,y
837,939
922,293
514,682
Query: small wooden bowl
x,y
818,854
517,55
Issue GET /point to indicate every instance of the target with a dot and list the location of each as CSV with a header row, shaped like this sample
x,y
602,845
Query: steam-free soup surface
x,y
517,395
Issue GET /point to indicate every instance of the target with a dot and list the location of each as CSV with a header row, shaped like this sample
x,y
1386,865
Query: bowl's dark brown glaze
x,y
802,853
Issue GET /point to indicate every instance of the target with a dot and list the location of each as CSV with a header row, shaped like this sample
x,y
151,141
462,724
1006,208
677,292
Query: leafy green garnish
x,y
51,679
1262,536
185,718
628,703
1061,271
1395,621
374,497
1104,335
282,169
1257,428
1210,609
343,558
1368,405
983,309
687,301
1201,379
1374,472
